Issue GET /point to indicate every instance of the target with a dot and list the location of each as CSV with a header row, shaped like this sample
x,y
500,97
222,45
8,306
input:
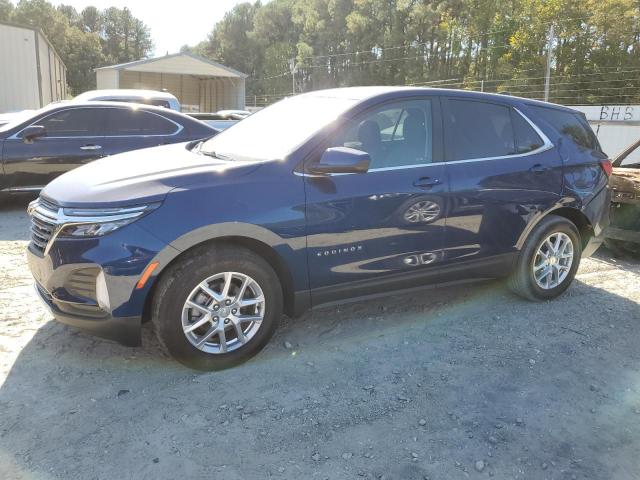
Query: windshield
x,y
274,132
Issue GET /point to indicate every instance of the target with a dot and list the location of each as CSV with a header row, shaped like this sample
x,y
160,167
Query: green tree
x,y
495,45
6,9
91,19
82,54
73,17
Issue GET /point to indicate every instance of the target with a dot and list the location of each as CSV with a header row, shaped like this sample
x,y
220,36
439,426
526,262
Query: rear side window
x,y
126,121
571,125
479,130
527,140
74,122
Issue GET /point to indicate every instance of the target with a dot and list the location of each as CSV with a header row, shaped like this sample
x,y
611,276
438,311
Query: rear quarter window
x,y
571,125
527,140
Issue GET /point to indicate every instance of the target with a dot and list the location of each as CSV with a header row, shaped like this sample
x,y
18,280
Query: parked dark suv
x,y
38,147
320,198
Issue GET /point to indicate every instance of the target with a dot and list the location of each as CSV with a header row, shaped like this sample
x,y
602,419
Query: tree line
x,y
490,45
84,40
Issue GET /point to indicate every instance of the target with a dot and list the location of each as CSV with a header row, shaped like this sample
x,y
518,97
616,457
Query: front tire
x,y
548,261
217,307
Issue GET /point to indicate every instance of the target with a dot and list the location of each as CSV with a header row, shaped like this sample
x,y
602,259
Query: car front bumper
x,y
124,330
92,283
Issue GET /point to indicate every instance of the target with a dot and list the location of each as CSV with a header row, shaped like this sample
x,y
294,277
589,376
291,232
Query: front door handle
x,y
538,168
426,182
91,147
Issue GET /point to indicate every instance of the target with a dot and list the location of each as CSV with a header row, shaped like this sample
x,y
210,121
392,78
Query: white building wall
x,y
199,84
221,93
107,79
32,75
617,127
18,69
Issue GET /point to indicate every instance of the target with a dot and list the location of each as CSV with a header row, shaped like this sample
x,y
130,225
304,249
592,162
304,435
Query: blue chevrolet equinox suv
x,y
320,198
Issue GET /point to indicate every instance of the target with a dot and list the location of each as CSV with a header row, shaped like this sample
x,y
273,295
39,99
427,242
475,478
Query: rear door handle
x,y
426,182
91,147
538,168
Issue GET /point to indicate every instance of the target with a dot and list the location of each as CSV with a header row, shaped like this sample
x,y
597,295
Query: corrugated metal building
x,y
201,85
32,74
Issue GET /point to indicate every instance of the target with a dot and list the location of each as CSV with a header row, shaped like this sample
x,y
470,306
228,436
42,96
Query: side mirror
x,y
341,160
32,132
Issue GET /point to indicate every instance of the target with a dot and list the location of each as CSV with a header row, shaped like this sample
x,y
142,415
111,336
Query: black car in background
x,y
36,149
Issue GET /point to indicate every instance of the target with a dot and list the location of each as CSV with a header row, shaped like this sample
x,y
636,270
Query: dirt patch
x,y
465,382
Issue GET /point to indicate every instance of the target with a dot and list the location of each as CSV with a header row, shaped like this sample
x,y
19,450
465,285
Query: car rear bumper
x,y
598,213
124,330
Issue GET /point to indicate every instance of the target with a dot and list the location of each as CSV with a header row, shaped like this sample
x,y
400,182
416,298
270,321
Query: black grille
x,y
43,223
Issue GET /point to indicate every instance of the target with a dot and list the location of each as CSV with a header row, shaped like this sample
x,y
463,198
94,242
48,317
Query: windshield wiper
x,y
214,155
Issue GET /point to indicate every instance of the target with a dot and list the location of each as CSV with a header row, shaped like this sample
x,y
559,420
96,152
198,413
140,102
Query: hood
x,y
139,176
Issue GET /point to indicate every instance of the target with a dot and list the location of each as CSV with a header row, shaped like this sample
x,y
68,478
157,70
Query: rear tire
x,y
530,278
181,301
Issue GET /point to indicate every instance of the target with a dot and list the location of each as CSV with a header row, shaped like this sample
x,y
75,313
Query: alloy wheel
x,y
223,313
553,260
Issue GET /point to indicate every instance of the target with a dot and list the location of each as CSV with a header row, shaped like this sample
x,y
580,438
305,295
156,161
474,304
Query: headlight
x,y
92,229
97,222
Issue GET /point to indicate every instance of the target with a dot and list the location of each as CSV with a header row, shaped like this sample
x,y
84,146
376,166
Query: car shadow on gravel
x,y
445,383
626,262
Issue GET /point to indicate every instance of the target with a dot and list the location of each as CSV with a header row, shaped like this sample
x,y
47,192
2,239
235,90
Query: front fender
x,y
229,229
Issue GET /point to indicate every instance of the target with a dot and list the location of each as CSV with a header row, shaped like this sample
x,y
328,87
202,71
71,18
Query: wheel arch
x,y
574,215
259,246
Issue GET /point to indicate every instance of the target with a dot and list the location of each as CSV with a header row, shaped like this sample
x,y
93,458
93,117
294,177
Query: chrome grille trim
x,y
48,219
44,217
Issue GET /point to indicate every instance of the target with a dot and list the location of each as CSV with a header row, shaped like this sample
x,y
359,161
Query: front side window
x,y
74,122
479,130
396,135
130,121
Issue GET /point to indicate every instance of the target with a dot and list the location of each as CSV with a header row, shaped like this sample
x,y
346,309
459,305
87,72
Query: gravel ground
x,y
464,382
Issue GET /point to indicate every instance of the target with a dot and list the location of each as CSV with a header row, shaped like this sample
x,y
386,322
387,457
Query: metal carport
x,y
200,84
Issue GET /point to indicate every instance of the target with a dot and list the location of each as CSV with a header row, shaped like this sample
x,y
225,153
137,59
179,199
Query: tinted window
x,y
571,125
74,122
527,140
129,121
479,130
396,135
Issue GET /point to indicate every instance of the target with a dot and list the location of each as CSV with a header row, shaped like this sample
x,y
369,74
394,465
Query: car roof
x,y
132,106
370,92
125,93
